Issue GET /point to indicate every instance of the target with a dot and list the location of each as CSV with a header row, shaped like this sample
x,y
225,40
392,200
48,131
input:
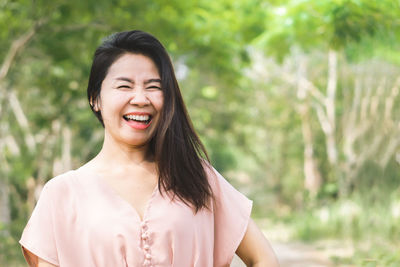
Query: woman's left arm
x,y
255,250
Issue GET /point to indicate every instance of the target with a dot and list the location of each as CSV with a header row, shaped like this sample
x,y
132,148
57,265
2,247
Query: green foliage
x,y
336,24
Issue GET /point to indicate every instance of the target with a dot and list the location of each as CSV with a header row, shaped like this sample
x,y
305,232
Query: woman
x,y
150,197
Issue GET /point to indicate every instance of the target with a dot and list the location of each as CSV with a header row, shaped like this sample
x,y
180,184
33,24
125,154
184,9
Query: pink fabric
x,y
80,221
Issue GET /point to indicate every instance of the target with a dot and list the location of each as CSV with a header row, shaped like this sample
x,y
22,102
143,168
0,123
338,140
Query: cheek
x,y
112,102
158,102
160,105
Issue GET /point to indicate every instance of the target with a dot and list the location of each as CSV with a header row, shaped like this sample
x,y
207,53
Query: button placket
x,y
146,245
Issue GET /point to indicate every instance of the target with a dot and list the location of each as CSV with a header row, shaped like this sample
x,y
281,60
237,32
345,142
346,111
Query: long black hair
x,y
180,156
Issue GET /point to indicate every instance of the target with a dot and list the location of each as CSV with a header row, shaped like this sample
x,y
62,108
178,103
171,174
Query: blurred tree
x,y
329,26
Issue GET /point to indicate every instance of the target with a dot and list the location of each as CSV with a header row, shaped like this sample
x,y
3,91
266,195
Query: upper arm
x,y
43,263
35,261
254,248
231,212
39,236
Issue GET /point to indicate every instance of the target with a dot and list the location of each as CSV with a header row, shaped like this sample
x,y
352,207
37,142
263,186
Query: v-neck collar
x,y
107,189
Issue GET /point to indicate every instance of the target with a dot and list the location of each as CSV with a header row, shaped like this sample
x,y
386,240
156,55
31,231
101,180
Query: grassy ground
x,y
348,233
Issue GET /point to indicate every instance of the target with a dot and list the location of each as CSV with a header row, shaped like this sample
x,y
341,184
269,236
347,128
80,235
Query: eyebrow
x,y
145,82
152,81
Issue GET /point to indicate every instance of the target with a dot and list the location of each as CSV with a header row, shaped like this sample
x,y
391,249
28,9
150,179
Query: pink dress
x,y
79,221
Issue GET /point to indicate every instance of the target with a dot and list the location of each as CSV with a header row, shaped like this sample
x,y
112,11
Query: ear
x,y
95,104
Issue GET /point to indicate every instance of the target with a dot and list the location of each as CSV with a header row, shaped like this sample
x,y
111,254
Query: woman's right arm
x,y
43,263
35,261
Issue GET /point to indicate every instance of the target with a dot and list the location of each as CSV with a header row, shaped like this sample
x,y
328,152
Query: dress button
x,y
146,247
144,236
148,256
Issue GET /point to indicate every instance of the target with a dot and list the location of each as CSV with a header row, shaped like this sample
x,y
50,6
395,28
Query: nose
x,y
139,98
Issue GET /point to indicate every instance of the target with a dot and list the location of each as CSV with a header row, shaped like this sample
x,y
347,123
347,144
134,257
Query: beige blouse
x,y
80,221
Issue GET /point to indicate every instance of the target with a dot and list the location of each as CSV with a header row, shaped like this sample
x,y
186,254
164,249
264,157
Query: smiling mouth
x,y
145,119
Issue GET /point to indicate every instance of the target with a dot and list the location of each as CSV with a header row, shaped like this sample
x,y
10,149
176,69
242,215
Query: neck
x,y
117,155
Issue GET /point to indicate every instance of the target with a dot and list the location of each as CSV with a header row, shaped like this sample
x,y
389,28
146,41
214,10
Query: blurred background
x,y
296,101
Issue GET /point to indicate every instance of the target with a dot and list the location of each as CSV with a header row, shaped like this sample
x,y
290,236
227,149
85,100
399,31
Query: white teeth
x,y
138,117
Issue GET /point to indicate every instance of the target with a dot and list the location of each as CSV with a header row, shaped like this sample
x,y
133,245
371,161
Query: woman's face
x,y
131,99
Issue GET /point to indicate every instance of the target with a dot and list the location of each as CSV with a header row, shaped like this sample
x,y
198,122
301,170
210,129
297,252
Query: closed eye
x,y
123,86
154,87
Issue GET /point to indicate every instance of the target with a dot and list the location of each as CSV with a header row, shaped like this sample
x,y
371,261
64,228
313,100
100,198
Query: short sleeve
x,y
38,238
232,212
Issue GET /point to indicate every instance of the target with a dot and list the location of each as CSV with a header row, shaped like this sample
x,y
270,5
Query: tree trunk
x,y
5,217
66,148
330,108
312,176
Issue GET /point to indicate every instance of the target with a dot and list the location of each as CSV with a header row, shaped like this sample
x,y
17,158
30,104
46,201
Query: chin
x,y
137,142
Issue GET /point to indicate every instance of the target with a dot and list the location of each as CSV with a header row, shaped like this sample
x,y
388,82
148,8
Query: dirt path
x,y
297,254
302,255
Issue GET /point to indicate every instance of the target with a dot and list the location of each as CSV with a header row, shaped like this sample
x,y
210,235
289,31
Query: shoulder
x,y
215,179
211,173
59,182
62,186
222,190
62,192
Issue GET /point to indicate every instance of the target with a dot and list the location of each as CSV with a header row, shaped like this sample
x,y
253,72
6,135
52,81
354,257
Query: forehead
x,y
133,65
